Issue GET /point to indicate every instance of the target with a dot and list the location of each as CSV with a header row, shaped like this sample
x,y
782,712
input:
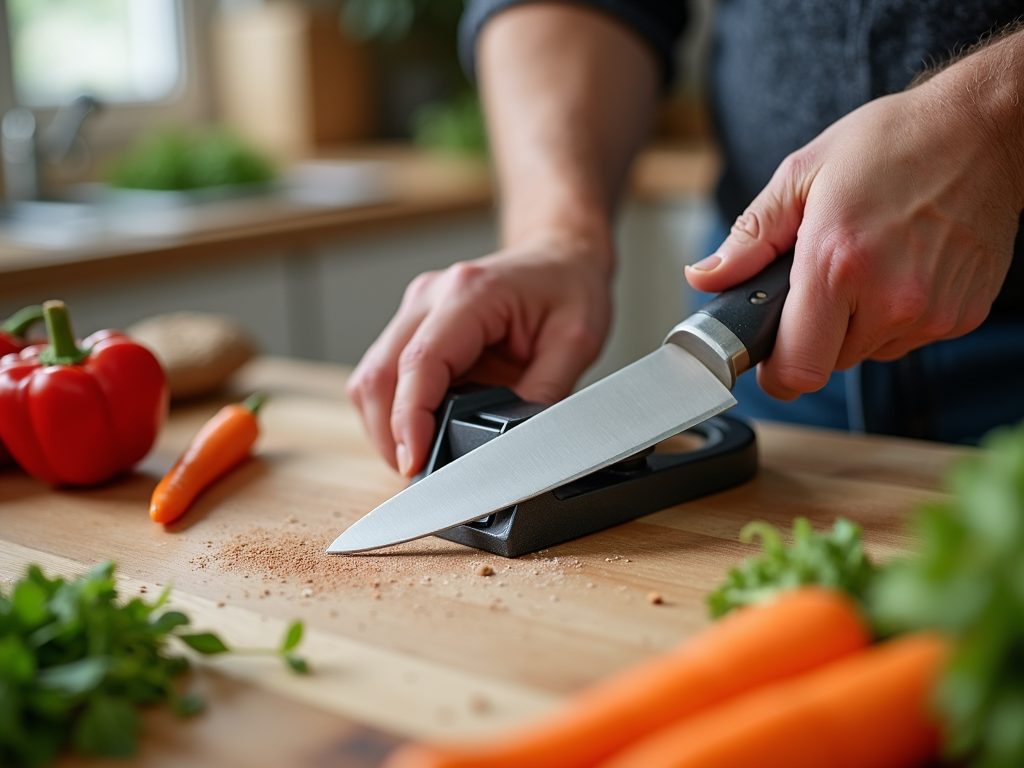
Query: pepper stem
x,y
254,401
18,324
63,349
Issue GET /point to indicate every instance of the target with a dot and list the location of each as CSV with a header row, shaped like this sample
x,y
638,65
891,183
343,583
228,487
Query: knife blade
x,y
682,383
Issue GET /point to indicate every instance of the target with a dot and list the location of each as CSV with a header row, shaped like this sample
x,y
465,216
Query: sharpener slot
x,y
474,429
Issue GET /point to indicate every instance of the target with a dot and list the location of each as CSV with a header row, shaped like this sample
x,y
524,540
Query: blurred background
x,y
288,165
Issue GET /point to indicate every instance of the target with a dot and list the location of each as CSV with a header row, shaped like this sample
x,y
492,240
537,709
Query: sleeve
x,y
658,22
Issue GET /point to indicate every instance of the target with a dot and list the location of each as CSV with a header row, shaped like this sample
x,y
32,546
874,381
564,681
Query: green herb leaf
x,y
108,726
833,559
297,664
29,602
168,621
204,642
293,637
77,676
17,664
188,705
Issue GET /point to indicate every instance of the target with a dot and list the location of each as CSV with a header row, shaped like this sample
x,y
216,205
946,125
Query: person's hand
x,y
531,317
903,215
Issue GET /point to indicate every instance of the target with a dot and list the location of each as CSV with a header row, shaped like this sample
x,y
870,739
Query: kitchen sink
x,y
97,212
50,224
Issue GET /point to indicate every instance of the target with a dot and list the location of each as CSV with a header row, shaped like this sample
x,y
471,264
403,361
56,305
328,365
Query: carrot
x,y
221,443
748,648
867,709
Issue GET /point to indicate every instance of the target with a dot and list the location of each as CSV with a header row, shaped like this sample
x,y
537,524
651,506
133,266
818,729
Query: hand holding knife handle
x,y
736,330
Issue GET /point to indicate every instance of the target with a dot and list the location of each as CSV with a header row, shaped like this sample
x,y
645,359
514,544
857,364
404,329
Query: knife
x,y
682,383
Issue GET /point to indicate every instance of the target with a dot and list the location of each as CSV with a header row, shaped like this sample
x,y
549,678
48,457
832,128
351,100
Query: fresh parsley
x,y
832,559
76,664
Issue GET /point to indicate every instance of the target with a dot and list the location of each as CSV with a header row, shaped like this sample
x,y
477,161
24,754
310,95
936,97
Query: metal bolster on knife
x,y
713,344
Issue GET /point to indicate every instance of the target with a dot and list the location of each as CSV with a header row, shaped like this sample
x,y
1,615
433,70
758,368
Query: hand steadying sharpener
x,y
643,483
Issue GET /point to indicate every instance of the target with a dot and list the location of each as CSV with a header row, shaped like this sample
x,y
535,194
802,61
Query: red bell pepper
x,y
14,328
12,339
73,415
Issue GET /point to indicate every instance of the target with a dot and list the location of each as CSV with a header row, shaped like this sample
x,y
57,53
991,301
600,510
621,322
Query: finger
x,y
767,228
894,350
563,351
372,384
888,329
445,345
371,389
495,368
864,335
811,333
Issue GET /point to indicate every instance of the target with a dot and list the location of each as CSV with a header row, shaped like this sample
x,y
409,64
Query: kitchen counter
x,y
415,187
420,187
412,642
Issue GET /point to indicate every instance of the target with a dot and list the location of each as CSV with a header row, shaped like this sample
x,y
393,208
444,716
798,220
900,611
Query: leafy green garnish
x,y
833,559
176,159
968,581
76,664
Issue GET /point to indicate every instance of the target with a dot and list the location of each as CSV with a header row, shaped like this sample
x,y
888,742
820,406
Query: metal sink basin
x,y
50,224
95,213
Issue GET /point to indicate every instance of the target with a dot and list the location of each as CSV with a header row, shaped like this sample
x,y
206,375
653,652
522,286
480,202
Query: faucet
x,y
23,147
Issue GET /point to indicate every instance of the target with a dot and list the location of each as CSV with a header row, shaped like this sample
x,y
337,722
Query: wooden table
x,y
413,642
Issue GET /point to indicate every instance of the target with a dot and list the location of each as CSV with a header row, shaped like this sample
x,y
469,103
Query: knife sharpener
x,y
636,486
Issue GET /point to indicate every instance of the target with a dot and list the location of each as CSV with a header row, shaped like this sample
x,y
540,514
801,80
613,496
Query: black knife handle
x,y
736,330
752,310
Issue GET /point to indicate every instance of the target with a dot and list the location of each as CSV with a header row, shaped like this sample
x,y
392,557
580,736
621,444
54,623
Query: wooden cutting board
x,y
414,641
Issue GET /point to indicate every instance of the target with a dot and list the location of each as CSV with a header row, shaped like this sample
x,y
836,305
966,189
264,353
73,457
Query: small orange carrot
x,y
867,709
749,648
221,443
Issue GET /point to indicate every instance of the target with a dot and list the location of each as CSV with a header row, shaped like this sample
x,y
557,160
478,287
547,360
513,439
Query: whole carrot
x,y
867,709
748,648
221,443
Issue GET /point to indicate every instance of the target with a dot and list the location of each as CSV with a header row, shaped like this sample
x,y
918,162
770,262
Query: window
x,y
120,51
146,61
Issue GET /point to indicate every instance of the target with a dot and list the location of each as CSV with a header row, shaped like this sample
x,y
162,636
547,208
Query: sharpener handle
x,y
736,330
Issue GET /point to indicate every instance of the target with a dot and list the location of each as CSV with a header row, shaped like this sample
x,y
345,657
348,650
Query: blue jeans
x,y
953,391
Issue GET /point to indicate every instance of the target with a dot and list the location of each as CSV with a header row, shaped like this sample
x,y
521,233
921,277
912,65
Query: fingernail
x,y
708,263
402,454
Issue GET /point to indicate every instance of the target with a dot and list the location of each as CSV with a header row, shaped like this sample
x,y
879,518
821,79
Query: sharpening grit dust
x,y
295,561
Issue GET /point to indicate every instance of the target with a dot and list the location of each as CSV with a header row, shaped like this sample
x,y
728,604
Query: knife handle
x,y
736,330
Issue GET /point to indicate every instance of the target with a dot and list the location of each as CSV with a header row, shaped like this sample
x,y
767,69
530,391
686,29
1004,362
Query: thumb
x,y
767,228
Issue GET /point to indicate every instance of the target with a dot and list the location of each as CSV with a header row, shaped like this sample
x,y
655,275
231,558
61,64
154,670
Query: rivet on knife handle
x,y
736,330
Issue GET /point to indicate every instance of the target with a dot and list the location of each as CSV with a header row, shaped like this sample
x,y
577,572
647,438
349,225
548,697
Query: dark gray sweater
x,y
784,70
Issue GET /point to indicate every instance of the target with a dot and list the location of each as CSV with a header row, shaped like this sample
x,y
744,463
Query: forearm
x,y
569,94
985,86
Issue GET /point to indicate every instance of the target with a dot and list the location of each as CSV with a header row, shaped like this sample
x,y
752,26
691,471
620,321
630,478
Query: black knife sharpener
x,y
636,486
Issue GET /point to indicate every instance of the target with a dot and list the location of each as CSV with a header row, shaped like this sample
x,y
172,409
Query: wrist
x,y
558,216
569,236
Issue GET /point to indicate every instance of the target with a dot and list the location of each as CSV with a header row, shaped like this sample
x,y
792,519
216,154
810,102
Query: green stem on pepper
x,y
63,349
254,402
17,325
